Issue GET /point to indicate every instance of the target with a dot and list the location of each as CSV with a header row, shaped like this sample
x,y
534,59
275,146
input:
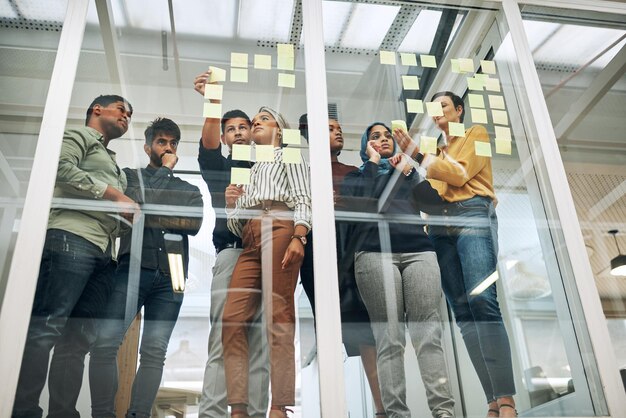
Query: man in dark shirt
x,y
216,171
154,289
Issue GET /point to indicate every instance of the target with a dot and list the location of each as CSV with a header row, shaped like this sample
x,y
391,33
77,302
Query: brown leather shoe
x,y
279,412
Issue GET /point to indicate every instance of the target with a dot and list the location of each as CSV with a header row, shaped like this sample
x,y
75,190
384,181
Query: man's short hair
x,y
161,125
104,101
232,114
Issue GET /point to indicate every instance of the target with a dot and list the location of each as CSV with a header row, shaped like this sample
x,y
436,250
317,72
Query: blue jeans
x,y
161,308
467,248
75,280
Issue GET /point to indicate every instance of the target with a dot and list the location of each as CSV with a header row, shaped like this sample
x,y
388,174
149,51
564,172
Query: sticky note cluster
x,y
285,60
407,59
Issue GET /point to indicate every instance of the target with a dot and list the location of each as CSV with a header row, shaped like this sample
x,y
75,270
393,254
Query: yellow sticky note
x,y
262,62
492,84
503,146
287,80
241,152
479,115
500,117
291,156
212,110
291,136
213,91
239,75
488,67
408,59
428,144
264,153
482,77
434,109
398,124
285,50
496,102
285,62
503,132
454,66
482,149
410,82
428,61
239,175
388,57
238,60
217,75
476,100
474,83
466,65
456,129
414,106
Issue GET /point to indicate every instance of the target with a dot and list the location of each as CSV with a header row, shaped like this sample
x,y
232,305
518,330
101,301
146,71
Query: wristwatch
x,y
302,238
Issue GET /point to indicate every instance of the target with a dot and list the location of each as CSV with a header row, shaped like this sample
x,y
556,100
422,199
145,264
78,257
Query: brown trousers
x,y
259,274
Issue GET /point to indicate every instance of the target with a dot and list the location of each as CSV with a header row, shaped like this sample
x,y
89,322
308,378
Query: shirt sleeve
x,y
298,179
235,225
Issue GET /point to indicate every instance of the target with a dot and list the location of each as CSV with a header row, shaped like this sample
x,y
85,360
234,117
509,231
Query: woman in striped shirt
x,y
272,215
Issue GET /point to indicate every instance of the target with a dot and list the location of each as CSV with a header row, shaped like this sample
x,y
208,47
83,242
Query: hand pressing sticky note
x,y
262,62
241,152
414,106
503,146
482,149
476,100
434,109
466,65
479,115
213,91
285,50
408,59
387,57
410,82
496,102
428,145
492,84
239,175
212,110
291,136
291,156
428,61
287,80
500,117
238,60
264,153
474,84
454,66
239,75
456,129
503,132
488,67
217,75
285,62
398,124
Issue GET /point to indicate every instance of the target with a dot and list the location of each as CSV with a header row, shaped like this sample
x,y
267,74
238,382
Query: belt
x,y
268,205
234,244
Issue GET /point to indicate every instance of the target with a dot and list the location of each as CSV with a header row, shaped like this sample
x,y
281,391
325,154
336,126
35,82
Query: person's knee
x,y
485,308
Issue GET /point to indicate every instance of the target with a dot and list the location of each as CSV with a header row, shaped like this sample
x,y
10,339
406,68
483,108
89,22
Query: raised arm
x,y
211,128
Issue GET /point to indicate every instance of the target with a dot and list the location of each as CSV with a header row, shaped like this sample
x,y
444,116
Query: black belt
x,y
235,244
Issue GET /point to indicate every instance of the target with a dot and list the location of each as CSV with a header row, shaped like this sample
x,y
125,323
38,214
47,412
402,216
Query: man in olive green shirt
x,y
75,276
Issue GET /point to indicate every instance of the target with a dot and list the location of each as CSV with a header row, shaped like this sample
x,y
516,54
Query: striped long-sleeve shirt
x,y
288,183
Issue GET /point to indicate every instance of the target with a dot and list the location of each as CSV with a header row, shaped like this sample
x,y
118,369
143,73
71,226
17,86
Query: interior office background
x,y
151,53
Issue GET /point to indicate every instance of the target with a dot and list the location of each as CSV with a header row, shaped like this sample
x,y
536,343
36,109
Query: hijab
x,y
384,167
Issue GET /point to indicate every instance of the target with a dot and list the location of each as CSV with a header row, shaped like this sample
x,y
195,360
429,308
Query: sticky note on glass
x,y
482,149
410,82
285,50
239,75
238,60
466,65
454,66
398,124
496,102
387,57
241,152
474,83
287,80
213,91
488,67
428,144
479,115
434,109
264,153
428,61
291,156
285,62
217,75
262,62
503,146
481,77
492,84
212,110
476,100
408,59
239,175
291,136
414,106
503,132
456,129
500,117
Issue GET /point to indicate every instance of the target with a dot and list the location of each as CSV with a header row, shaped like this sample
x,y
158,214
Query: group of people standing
x,y
396,268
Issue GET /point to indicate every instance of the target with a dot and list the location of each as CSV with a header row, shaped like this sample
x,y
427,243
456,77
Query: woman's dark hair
x,y
456,101
163,126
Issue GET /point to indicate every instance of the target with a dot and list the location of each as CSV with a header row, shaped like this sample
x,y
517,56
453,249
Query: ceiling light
x,y
482,286
618,264
174,247
265,19
422,33
368,25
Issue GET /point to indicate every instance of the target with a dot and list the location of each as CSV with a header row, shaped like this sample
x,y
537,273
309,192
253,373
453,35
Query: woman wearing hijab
x,y
279,200
397,274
